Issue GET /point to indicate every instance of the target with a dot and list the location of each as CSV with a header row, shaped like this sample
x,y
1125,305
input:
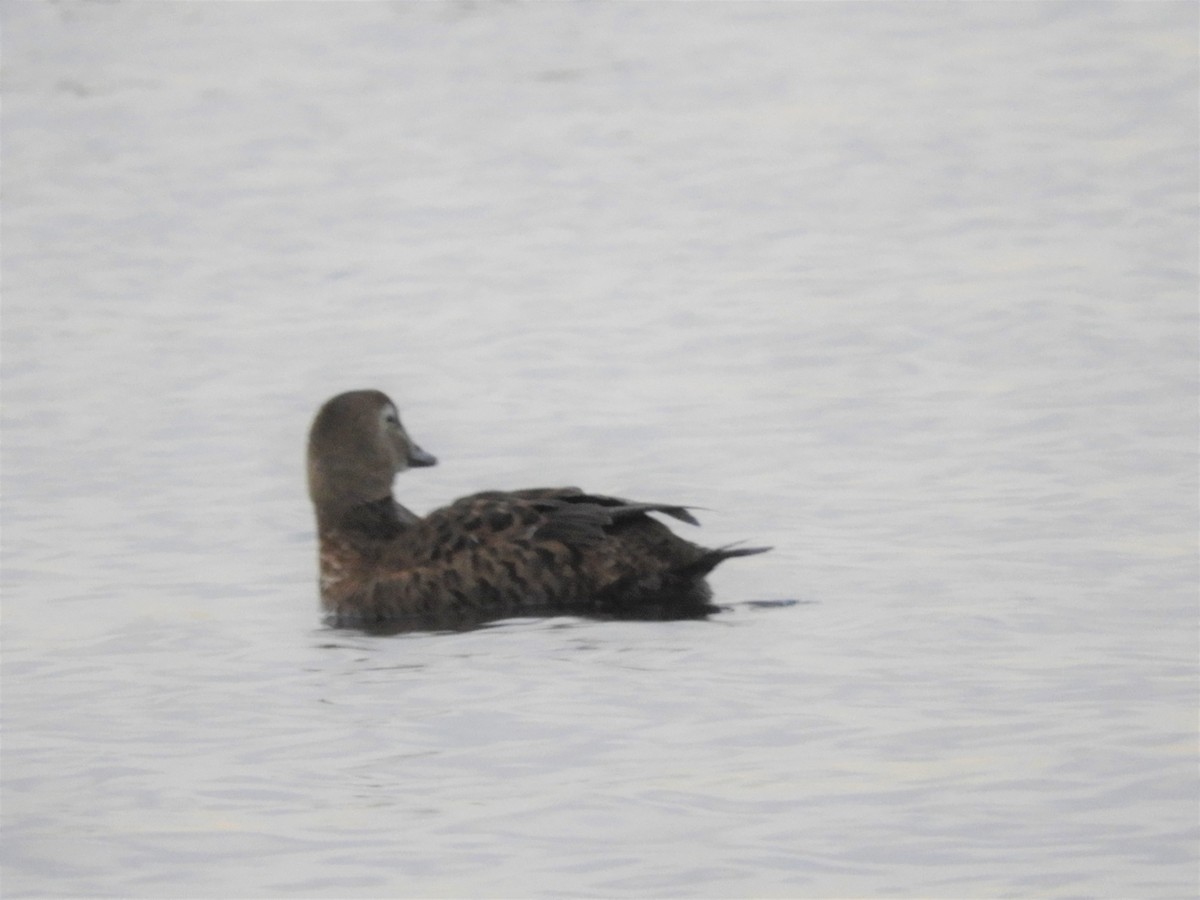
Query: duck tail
x,y
710,559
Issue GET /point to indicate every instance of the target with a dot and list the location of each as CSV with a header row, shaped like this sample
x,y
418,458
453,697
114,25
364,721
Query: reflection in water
x,y
444,621
449,621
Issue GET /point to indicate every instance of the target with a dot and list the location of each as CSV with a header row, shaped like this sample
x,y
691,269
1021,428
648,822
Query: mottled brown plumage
x,y
489,555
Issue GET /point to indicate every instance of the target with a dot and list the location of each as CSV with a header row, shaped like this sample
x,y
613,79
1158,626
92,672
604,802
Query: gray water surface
x,y
907,291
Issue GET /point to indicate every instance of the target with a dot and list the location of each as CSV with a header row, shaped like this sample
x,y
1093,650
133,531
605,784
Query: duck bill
x,y
418,457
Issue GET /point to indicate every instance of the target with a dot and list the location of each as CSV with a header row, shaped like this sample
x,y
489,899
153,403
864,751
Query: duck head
x,y
356,446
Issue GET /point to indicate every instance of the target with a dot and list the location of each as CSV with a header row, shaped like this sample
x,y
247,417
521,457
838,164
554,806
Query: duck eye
x,y
390,417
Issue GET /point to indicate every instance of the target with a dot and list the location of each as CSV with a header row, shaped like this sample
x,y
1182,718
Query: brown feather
x,y
489,555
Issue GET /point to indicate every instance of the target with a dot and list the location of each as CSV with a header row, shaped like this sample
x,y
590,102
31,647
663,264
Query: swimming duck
x,y
541,551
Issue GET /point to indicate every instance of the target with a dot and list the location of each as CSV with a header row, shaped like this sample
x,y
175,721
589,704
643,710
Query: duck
x,y
488,556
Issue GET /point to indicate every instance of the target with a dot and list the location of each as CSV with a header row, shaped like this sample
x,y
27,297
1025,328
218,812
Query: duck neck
x,y
380,520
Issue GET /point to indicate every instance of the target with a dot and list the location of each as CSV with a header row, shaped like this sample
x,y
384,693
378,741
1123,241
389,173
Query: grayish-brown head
x,y
356,446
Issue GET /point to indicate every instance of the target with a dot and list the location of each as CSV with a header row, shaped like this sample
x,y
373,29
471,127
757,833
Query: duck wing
x,y
567,515
521,520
